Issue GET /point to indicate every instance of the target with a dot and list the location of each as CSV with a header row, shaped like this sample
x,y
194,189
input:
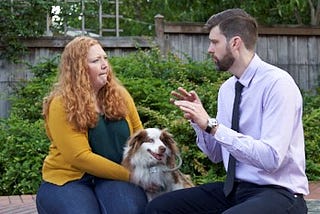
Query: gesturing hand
x,y
191,106
182,94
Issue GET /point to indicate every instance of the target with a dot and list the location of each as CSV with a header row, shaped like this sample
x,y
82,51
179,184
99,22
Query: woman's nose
x,y
104,63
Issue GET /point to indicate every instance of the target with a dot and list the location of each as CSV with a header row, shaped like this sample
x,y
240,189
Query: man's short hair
x,y
235,22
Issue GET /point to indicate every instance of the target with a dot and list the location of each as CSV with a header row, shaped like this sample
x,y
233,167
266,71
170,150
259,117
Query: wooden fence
x,y
44,48
295,49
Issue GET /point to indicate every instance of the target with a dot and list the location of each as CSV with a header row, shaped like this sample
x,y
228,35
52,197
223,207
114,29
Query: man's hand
x,y
191,105
182,94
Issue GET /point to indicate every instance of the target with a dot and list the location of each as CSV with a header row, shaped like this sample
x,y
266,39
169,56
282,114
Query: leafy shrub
x,y
150,78
311,120
22,151
27,100
21,19
23,142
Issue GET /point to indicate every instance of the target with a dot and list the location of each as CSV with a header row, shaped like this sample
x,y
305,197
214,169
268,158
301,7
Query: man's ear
x,y
235,42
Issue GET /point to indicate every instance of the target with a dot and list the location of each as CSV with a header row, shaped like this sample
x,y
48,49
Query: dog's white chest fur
x,y
150,156
156,175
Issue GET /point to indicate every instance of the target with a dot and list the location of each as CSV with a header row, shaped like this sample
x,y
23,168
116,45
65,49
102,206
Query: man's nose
x,y
210,48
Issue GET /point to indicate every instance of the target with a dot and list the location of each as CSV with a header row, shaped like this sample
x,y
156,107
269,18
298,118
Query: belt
x,y
239,182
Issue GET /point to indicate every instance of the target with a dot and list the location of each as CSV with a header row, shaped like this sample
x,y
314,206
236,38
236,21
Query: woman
x,y
89,116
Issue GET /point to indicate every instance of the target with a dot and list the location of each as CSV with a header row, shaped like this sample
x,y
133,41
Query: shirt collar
x,y
250,71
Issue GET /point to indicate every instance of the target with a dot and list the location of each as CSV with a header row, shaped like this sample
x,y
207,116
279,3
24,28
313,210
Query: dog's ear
x,y
133,144
168,140
137,138
167,137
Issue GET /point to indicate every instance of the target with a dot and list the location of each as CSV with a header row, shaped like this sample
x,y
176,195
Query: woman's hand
x,y
154,188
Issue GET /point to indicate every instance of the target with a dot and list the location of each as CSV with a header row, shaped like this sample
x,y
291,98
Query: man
x,y
264,135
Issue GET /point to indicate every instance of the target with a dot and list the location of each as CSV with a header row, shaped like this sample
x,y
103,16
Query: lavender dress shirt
x,y
269,147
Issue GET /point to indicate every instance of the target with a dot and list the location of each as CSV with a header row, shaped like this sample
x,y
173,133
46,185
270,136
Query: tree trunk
x,y
314,13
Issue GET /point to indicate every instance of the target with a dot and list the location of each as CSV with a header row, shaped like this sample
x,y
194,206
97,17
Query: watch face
x,y
212,122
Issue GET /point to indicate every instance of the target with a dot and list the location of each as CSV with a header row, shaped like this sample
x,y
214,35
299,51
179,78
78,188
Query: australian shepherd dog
x,y
151,155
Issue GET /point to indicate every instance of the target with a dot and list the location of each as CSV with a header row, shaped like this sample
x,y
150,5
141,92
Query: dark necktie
x,y
228,185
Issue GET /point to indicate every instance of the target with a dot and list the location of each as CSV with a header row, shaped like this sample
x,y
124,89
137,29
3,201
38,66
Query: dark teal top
x,y
109,137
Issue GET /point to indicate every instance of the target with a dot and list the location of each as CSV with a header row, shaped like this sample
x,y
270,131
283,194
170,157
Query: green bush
x,y
311,122
23,142
23,147
150,78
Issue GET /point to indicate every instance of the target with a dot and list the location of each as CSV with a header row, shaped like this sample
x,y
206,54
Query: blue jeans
x,y
247,198
91,195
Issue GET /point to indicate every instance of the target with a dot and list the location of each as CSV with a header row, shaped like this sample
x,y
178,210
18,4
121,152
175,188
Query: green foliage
x,y
22,149
274,12
139,14
150,78
71,16
21,19
311,121
23,142
27,102
27,18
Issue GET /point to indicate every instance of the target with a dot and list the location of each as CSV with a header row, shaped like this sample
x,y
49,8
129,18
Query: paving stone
x,y
313,206
26,204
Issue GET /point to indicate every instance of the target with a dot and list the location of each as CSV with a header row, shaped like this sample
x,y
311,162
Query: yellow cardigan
x,y
70,155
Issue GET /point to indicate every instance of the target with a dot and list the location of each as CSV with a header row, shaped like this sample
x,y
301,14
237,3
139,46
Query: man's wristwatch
x,y
212,123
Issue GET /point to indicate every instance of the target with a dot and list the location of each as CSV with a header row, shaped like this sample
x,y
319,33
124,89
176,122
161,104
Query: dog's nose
x,y
162,149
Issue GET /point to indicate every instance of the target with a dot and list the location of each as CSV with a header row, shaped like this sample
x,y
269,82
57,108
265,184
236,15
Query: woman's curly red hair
x,y
78,96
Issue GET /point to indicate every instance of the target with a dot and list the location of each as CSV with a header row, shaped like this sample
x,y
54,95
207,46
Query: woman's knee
x,y
65,199
120,197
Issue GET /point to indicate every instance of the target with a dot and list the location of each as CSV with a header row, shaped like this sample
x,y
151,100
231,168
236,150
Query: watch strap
x,y
208,129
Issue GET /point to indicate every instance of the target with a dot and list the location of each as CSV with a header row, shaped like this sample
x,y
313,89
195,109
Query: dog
x,y
150,155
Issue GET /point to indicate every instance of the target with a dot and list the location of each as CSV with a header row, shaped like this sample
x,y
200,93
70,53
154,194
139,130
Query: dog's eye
x,y
149,141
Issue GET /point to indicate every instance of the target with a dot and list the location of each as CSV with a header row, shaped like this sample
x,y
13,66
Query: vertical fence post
x,y
159,27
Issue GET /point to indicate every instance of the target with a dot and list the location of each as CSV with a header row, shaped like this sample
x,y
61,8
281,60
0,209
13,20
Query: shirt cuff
x,y
225,135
